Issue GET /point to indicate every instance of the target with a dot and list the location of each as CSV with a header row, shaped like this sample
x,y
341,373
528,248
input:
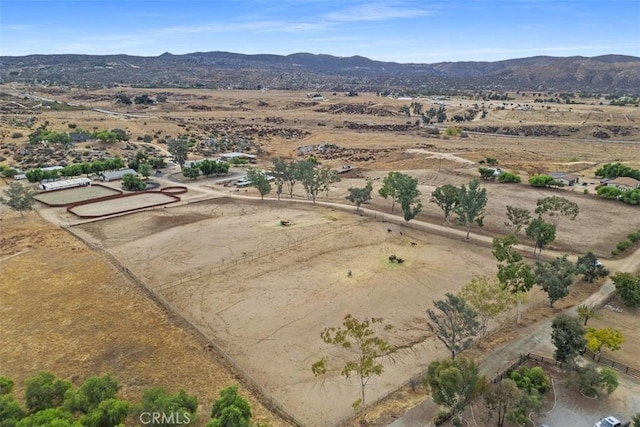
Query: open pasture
x,y
267,313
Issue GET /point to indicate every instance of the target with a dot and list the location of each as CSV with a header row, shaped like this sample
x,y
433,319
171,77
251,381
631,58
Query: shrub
x,y
531,379
634,237
623,245
607,192
17,135
541,180
509,177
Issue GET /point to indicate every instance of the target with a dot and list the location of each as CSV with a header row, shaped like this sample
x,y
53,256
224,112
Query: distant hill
x,y
601,74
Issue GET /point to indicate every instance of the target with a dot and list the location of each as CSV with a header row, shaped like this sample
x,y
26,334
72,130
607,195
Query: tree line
x,y
50,401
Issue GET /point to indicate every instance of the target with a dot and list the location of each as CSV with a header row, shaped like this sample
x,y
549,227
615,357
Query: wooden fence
x,y
599,358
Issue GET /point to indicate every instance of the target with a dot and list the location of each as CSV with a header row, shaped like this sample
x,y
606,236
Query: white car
x,y
611,422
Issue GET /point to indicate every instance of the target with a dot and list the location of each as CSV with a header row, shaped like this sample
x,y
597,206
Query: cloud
x,y
372,11
17,27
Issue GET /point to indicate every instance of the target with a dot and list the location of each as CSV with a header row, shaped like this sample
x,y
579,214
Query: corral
x,y
76,195
119,204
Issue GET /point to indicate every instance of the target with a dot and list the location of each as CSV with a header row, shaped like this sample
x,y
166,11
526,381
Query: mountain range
x,y
304,71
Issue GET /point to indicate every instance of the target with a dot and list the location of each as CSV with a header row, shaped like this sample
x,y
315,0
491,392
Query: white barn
x,y
67,183
116,175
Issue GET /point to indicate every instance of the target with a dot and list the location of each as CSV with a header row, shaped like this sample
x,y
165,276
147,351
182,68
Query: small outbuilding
x,y
115,175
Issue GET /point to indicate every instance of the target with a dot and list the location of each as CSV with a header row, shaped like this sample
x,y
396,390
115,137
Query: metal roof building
x,y
116,175
67,183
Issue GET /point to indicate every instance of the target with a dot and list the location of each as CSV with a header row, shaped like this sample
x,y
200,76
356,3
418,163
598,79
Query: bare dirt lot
x,y
75,195
278,304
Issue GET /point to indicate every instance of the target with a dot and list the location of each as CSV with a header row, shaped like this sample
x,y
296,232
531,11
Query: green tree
x,y
455,324
408,195
8,172
230,410
315,180
291,175
259,180
487,297
636,420
586,312
555,207
590,267
106,136
390,187
541,232
455,383
531,379
109,412
592,382
360,195
568,337
50,417
541,180
513,273
35,175
207,167
131,182
6,386
555,277
279,172
508,177
628,288
446,197
18,198
517,218
158,400
45,391
192,172
486,173
471,204
607,192
501,397
179,150
10,411
607,337
360,339
144,169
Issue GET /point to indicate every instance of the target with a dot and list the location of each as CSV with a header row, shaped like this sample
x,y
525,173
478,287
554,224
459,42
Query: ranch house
x,y
624,183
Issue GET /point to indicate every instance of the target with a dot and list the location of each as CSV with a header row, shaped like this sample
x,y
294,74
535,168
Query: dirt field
x,y
122,204
278,303
75,195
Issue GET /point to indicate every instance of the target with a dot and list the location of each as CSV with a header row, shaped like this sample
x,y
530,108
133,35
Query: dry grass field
x,y
273,288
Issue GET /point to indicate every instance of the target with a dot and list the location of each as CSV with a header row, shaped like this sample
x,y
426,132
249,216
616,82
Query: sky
x,y
404,31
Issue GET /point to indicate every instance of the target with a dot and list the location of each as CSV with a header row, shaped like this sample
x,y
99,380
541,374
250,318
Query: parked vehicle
x,y
611,421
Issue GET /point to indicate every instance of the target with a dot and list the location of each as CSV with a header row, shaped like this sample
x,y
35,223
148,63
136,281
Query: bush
x,y
17,135
509,177
623,245
533,379
607,192
541,180
634,237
